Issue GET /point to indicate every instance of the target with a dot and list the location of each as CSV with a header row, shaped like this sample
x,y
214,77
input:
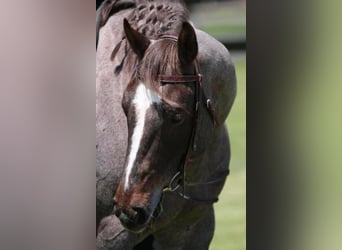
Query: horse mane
x,y
109,8
151,17
154,18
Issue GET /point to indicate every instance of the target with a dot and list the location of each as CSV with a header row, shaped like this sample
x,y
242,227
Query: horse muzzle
x,y
134,219
134,210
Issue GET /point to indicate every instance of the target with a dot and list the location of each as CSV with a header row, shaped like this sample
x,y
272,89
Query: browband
x,y
180,79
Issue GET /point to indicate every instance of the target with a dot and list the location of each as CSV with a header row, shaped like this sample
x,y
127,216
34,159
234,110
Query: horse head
x,y
160,118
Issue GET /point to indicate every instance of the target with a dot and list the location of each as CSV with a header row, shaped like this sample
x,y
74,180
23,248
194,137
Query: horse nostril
x,y
140,216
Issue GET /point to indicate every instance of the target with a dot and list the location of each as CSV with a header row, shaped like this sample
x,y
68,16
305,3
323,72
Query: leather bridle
x,y
178,181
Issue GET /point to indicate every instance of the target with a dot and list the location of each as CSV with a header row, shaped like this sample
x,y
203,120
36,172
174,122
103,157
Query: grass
x,y
223,31
230,233
224,20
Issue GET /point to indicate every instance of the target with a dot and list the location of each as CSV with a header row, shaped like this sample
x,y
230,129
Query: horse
x,y
163,92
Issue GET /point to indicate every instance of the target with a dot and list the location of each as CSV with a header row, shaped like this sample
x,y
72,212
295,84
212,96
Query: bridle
x,y
178,181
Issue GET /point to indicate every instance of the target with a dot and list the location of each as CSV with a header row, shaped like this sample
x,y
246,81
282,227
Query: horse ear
x,y
187,44
138,42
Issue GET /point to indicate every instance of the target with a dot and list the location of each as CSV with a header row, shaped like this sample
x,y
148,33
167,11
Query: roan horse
x,y
163,92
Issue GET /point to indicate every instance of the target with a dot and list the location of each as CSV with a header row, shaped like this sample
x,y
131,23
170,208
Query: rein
x,y
178,180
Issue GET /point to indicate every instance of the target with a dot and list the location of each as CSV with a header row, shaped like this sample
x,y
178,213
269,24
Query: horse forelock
x,y
161,58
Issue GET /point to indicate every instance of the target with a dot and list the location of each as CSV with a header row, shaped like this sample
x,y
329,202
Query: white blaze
x,y
142,101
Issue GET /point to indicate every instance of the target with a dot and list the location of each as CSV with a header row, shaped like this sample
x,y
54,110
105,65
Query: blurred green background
x,y
226,21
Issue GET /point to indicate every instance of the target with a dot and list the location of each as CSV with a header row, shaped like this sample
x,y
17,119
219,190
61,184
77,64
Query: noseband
x,y
178,180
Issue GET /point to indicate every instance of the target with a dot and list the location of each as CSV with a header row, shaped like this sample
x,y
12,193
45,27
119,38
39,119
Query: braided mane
x,y
156,18
151,17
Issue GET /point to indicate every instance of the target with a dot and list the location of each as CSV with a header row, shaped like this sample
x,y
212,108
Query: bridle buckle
x,y
174,184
